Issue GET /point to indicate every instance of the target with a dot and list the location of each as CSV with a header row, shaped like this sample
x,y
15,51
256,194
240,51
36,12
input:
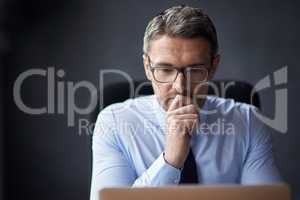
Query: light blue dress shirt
x,y
230,146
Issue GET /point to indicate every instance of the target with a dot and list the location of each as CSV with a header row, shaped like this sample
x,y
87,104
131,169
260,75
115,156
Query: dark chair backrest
x,y
117,92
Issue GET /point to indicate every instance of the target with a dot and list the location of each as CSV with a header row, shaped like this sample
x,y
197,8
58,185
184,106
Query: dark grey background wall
x,y
2,50
1,132
44,158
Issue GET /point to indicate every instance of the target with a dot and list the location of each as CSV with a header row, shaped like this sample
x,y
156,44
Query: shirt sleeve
x,y
111,168
160,173
259,166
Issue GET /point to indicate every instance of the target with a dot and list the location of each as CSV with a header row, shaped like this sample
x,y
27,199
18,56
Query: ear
x,y
146,67
214,66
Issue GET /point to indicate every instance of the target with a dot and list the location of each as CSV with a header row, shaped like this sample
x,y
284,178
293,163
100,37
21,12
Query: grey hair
x,y
181,21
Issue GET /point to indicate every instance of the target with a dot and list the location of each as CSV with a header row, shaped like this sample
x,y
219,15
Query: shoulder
x,y
244,117
130,106
117,122
132,110
230,113
229,108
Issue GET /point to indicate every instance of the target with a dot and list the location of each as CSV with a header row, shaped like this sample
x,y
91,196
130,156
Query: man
x,y
146,141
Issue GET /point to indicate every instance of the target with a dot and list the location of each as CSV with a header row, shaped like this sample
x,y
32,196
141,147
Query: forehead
x,y
179,50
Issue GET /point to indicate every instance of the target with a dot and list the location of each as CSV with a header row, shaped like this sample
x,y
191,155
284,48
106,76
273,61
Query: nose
x,y
179,83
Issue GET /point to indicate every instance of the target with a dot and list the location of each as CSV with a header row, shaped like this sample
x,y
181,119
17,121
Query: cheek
x,y
199,89
164,93
162,89
199,93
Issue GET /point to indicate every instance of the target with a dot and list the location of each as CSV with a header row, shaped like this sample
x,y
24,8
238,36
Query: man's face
x,y
179,53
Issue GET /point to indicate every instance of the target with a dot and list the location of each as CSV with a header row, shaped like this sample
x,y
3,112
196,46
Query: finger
x,y
187,100
185,116
193,130
175,103
189,109
190,126
185,126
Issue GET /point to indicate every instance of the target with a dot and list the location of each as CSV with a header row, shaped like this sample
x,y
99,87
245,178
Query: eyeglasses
x,y
164,74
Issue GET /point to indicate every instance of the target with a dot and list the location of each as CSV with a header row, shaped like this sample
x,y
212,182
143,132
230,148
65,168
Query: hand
x,y
181,121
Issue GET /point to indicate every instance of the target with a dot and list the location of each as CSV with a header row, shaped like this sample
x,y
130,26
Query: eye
x,y
166,70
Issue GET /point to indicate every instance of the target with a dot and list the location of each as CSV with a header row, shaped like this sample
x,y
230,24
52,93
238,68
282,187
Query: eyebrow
x,y
165,64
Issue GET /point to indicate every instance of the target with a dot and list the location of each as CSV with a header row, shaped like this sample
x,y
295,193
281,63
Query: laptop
x,y
197,192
